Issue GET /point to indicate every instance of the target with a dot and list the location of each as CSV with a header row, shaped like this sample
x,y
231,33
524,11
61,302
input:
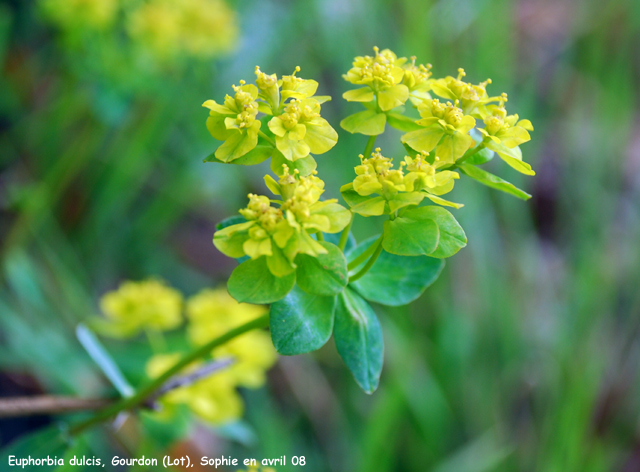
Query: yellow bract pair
x,y
281,233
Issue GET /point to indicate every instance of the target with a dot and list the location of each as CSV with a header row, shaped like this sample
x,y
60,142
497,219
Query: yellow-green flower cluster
x,y
415,179
196,28
138,306
446,129
163,29
215,398
281,233
94,14
296,128
389,80
445,126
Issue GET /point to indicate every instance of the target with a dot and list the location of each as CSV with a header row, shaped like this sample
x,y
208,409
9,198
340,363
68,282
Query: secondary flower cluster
x,y
444,126
281,233
164,29
415,179
295,128
154,306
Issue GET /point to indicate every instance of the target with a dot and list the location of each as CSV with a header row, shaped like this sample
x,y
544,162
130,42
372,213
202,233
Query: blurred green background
x,y
523,356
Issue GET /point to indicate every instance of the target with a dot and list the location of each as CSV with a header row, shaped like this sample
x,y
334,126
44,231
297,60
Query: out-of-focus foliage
x,y
522,356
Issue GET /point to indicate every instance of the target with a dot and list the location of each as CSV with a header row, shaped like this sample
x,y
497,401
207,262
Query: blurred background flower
x,y
524,354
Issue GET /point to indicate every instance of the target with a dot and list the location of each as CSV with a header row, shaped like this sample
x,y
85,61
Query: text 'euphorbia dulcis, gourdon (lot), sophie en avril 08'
x,y
295,249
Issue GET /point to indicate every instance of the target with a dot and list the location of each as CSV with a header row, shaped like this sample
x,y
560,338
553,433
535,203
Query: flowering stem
x,y
344,237
369,147
369,263
477,149
364,256
148,390
266,138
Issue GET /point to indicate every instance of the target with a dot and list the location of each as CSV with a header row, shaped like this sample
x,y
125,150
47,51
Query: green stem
x,y
266,138
344,237
369,147
320,236
369,264
476,149
146,391
364,256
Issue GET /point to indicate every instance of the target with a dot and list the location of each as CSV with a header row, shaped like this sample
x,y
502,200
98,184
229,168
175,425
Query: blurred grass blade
x,y
101,357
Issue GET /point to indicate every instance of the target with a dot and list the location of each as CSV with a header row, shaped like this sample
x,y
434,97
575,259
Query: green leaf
x,y
322,275
371,207
259,154
335,239
301,322
45,442
493,181
305,165
395,280
236,145
367,122
232,220
253,282
512,156
482,156
408,237
358,338
452,237
401,122
402,200
352,197
364,94
425,139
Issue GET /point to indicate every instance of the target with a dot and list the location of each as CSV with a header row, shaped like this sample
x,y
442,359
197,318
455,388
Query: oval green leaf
x,y
452,237
405,236
253,282
322,275
395,280
259,154
358,338
301,322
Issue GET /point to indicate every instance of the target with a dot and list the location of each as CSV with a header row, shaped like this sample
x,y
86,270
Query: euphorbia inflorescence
x,y
319,285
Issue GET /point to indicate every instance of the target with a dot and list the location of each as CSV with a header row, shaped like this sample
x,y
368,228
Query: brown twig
x,y
48,404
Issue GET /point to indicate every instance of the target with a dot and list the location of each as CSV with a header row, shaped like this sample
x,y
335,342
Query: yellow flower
x,y
504,133
196,28
208,27
212,313
72,14
382,76
280,234
300,130
472,99
505,129
140,305
235,122
296,129
213,398
417,79
445,126
409,185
